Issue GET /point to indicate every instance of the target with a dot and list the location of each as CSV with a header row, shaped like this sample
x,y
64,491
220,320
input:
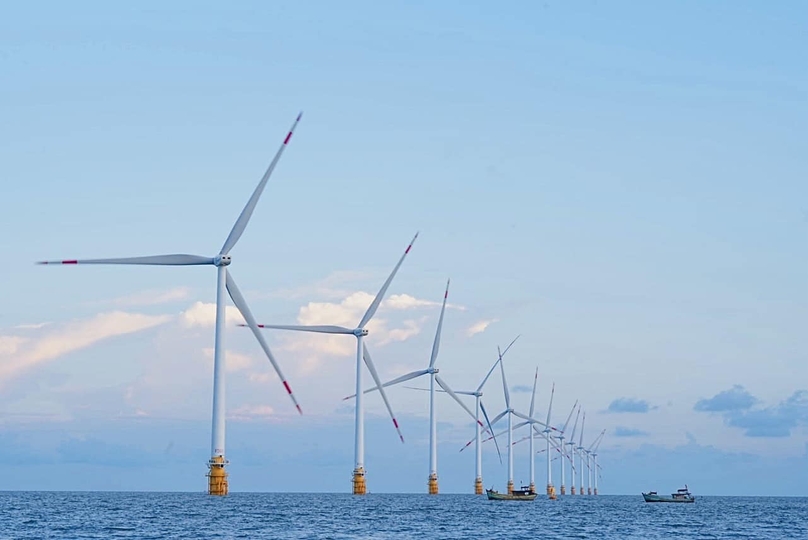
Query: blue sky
x,y
621,183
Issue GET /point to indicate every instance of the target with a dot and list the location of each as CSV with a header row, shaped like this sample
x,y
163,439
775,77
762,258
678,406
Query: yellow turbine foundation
x,y
433,484
359,487
563,490
217,476
551,492
596,491
532,487
572,490
589,491
510,487
478,486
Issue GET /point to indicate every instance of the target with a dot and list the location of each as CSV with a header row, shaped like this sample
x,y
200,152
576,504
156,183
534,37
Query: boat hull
x,y
649,498
496,496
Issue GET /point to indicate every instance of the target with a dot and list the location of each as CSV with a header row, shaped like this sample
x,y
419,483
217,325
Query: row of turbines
x,y
218,481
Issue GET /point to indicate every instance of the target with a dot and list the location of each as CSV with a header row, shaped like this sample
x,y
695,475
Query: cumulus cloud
x,y
73,336
348,313
621,431
735,399
479,327
736,408
629,405
233,361
202,314
405,301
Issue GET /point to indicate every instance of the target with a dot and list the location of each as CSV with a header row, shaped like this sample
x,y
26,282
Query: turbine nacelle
x,y
360,332
221,260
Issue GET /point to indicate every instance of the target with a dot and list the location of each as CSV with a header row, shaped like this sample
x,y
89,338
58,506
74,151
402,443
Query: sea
x,y
102,515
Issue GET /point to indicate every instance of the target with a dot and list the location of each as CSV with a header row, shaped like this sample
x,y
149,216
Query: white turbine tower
x,y
593,451
550,488
359,485
530,429
432,371
581,454
478,394
217,484
571,444
561,446
511,413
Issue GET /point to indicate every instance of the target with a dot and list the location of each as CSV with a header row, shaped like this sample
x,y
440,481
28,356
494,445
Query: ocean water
x,y
73,515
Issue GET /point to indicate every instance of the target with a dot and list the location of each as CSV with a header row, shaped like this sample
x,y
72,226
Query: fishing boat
x,y
681,496
524,494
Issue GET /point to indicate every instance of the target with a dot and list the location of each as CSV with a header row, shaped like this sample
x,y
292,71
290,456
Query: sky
x,y
621,184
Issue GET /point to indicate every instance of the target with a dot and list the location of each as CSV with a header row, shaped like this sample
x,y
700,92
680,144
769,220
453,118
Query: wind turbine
x,y
217,477
478,394
550,488
510,412
593,451
432,371
571,444
359,485
530,429
581,454
561,445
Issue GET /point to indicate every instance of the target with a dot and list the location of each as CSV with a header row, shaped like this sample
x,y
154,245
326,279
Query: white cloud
x,y
204,314
479,327
35,326
411,328
251,412
405,301
233,361
10,344
153,297
74,336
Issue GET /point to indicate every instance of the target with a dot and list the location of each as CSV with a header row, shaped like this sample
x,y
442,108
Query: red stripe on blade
x,y
408,249
289,136
286,385
395,423
70,262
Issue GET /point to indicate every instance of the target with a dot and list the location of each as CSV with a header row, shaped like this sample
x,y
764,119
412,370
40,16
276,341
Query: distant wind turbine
x,y
571,444
359,484
432,371
217,484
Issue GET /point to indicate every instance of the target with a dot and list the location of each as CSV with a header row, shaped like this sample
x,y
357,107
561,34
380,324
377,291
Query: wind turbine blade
x,y
490,371
397,380
241,304
499,359
510,344
378,381
449,391
499,417
528,418
458,392
378,300
436,343
550,409
491,429
533,396
504,383
178,259
564,429
320,329
246,213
